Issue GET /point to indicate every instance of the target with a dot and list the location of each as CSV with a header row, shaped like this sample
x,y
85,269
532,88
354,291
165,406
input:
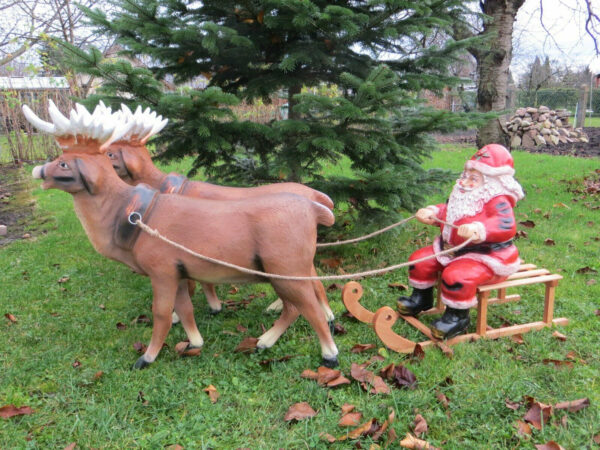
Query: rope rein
x,y
366,236
137,221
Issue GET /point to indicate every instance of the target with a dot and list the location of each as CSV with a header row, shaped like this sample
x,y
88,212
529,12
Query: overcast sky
x,y
567,42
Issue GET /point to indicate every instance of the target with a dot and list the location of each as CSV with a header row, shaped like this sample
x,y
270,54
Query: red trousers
x,y
460,278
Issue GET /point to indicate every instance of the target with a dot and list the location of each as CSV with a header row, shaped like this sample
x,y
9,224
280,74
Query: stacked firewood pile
x,y
529,127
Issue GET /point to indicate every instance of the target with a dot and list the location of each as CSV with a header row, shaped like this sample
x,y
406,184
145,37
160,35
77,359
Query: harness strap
x,y
173,183
142,203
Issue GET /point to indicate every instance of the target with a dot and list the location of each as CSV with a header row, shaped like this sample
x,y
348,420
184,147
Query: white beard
x,y
469,203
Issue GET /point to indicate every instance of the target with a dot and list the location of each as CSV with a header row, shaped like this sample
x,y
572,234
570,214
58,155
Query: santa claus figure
x,y
480,206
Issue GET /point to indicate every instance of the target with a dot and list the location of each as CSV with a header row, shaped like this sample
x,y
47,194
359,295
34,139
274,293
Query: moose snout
x,y
38,172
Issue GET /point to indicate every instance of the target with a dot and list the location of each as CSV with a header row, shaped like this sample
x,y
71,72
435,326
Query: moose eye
x,y
63,165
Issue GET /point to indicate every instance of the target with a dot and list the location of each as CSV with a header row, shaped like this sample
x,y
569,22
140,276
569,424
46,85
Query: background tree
x,y
496,26
371,54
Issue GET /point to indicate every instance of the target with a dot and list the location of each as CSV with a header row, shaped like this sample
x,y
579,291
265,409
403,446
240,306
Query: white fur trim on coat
x,y
489,170
464,304
480,231
498,267
421,284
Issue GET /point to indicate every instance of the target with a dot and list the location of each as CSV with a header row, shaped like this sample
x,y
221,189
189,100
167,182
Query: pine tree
x,y
370,54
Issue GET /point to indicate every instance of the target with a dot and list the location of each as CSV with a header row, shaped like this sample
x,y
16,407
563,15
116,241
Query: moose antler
x,y
82,132
135,128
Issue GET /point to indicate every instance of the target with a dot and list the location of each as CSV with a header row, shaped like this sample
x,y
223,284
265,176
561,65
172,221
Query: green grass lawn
x,y
67,359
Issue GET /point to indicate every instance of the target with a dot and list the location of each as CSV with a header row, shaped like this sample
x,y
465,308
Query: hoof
x,y
330,363
141,363
214,312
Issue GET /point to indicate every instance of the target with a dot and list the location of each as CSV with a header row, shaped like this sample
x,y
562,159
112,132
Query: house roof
x,y
33,83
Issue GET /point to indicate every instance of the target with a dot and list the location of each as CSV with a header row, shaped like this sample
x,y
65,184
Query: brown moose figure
x,y
273,233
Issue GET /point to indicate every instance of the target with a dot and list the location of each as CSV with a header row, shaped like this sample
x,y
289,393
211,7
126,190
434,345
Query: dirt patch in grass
x,y
589,149
16,204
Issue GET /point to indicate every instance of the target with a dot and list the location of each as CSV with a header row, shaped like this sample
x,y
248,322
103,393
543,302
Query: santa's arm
x,y
498,224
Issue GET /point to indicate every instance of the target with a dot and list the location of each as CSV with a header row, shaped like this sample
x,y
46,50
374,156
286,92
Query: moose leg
x,y
165,290
322,297
302,296
211,297
288,315
185,310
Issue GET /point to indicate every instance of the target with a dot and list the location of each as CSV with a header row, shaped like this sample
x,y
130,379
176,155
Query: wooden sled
x,y
384,318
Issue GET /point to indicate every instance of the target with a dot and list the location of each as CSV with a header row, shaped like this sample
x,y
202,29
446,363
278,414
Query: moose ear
x,y
133,161
89,175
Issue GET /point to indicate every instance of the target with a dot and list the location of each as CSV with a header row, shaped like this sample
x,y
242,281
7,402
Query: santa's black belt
x,y
478,248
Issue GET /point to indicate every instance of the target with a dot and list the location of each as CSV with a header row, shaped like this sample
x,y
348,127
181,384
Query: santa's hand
x,y
426,215
469,230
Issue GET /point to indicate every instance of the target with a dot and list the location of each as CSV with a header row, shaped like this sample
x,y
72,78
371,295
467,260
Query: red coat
x,y
497,221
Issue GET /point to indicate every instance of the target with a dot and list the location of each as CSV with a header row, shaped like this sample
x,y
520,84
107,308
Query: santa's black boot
x,y
419,300
452,323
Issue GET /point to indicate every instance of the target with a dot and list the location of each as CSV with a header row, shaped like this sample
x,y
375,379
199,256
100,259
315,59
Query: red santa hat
x,y
492,160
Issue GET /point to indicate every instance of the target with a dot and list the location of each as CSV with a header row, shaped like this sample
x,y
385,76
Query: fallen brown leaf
x,y
98,375
139,347
369,381
327,437
241,328
142,319
213,394
419,425
325,374
332,263
443,400
9,411
121,326
71,446
350,420
590,282
559,336
377,435
399,286
523,428
527,223
538,414
299,411
418,353
10,318
339,329
512,405
310,374
266,362
182,350
574,405
596,439
518,339
338,381
366,429
549,242
550,445
347,407
76,364
234,290
564,421
558,362
63,279
400,375
561,205
248,345
586,269
359,348
334,287
411,441
522,234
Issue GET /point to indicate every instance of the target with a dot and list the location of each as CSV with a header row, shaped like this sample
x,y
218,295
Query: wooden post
x,y
549,301
482,307
583,96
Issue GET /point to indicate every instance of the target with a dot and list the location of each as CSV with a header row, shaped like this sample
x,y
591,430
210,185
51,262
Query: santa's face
x,y
469,180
